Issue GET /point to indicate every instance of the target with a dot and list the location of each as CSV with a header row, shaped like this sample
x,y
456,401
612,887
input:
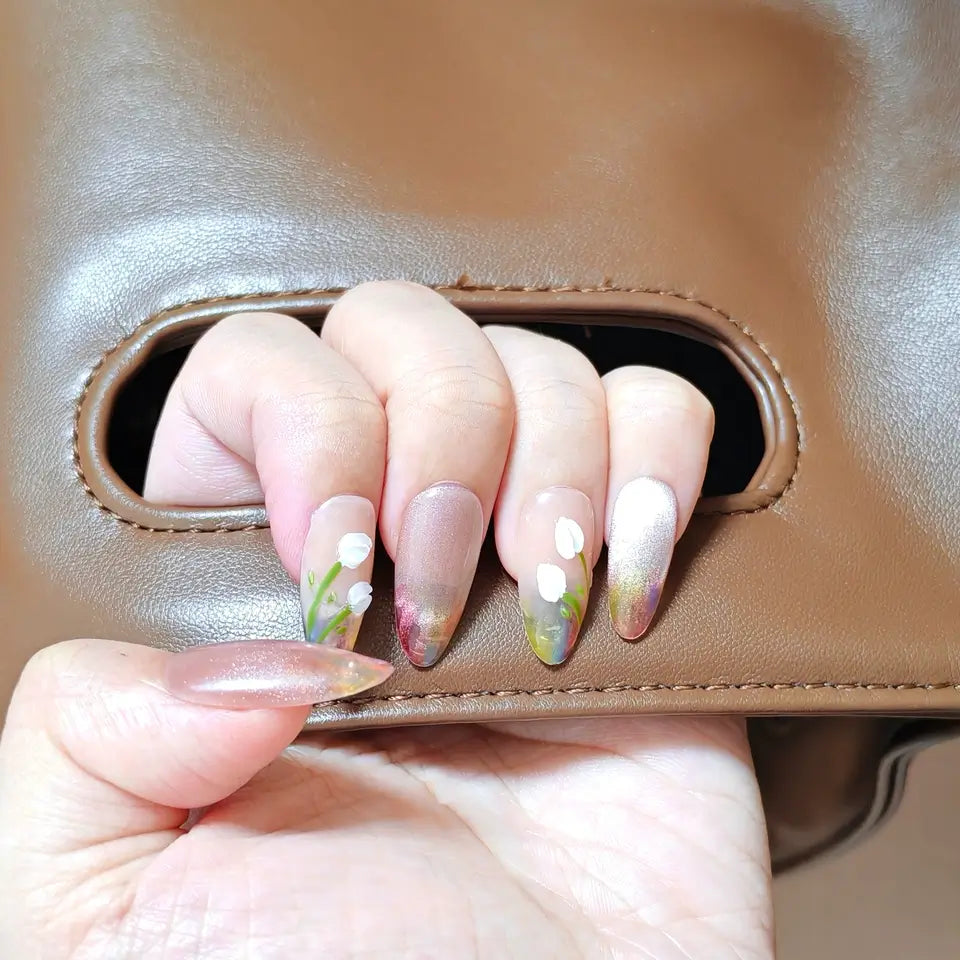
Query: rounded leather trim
x,y
658,309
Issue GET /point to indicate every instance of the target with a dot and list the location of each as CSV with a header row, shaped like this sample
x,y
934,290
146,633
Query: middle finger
x,y
450,417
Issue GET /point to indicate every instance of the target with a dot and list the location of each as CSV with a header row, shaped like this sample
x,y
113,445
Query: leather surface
x,y
792,166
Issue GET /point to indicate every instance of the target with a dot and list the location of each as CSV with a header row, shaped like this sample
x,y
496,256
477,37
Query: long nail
x,y
556,551
643,527
270,673
439,544
335,570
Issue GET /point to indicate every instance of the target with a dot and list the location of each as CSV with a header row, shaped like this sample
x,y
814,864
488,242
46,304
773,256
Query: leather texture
x,y
790,169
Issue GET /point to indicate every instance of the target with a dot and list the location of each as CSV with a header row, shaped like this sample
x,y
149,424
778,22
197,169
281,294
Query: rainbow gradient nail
x,y
556,531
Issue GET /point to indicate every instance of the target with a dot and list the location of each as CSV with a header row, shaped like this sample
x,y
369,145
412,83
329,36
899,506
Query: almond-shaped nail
x,y
270,673
556,569
643,527
437,551
335,570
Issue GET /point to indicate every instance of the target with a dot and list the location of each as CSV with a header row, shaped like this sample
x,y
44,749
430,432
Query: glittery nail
x,y
269,673
335,570
642,531
556,568
437,551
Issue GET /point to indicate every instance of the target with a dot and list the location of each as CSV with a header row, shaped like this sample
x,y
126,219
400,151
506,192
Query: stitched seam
x,y
463,284
658,688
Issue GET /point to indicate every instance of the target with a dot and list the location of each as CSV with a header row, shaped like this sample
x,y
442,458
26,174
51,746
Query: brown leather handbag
x,y
762,197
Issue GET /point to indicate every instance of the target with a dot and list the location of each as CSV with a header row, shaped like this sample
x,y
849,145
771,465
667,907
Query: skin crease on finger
x,y
605,838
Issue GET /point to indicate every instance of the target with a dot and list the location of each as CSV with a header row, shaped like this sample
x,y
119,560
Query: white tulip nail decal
x,y
551,582
568,537
353,549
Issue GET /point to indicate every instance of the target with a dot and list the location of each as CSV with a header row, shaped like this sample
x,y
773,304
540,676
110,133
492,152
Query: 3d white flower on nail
x,y
359,597
568,537
353,549
551,582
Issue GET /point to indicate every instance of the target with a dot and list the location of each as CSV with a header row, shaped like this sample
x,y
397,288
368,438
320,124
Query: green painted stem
x,y
574,604
311,617
586,572
335,622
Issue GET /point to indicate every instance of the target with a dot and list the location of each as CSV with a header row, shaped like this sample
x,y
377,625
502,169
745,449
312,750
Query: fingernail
x,y
556,550
270,673
335,570
437,551
642,531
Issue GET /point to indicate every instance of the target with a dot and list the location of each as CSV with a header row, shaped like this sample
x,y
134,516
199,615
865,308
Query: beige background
x,y
894,897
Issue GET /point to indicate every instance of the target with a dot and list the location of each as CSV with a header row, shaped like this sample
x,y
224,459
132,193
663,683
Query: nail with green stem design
x,y
335,571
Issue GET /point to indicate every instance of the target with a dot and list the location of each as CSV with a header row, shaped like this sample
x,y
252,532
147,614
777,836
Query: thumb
x,y
96,748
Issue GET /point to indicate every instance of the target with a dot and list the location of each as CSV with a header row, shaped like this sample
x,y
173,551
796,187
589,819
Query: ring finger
x,y
549,518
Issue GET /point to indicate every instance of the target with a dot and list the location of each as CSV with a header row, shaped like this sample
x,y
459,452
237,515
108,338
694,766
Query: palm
x,y
615,838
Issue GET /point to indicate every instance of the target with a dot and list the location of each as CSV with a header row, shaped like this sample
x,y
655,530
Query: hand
x,y
627,837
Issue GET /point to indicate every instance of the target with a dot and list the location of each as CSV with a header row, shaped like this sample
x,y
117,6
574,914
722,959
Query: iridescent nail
x,y
335,570
643,527
556,569
269,673
437,552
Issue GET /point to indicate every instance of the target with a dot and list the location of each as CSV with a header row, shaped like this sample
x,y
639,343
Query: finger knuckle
x,y
384,291
331,405
463,392
559,399
236,327
650,389
239,340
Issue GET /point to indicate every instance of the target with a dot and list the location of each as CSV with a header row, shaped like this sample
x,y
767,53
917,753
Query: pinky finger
x,y
660,430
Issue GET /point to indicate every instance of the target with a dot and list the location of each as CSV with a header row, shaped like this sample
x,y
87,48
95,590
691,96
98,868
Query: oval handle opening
x,y
752,457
